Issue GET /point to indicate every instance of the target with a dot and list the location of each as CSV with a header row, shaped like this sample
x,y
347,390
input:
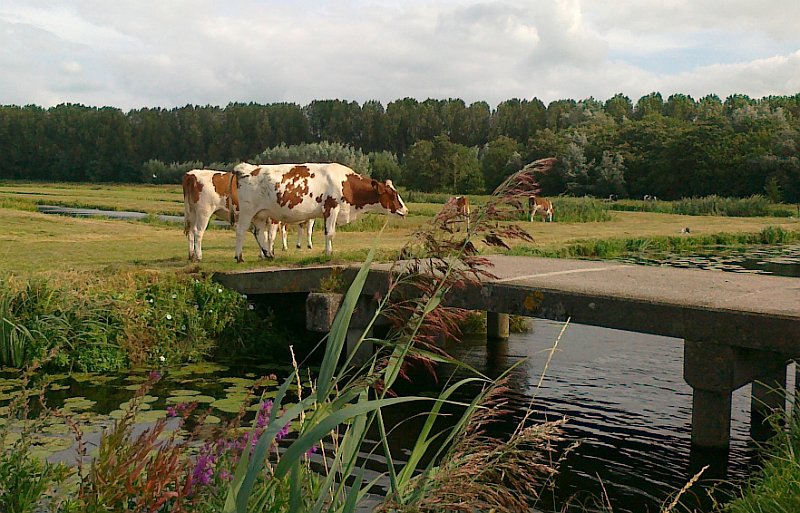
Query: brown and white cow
x,y
458,208
541,206
293,193
207,193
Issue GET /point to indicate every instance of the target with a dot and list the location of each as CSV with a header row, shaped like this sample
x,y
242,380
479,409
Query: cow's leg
x,y
273,233
309,231
260,232
330,228
284,236
300,230
242,225
196,232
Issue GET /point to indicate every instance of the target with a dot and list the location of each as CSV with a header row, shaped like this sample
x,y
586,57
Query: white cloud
x,y
155,53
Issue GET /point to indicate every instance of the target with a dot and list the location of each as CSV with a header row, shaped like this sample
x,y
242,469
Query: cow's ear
x,y
375,184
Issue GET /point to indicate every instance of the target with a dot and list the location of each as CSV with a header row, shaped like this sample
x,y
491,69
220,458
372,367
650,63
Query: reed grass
x,y
752,206
775,488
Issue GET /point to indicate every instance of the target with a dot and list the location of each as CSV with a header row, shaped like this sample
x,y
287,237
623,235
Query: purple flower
x,y
312,450
282,433
154,376
264,411
203,471
171,412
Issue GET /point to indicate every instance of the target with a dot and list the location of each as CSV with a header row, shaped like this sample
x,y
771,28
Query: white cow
x,y
293,193
206,193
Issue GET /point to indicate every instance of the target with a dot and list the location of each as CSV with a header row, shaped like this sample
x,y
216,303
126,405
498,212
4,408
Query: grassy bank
x,y
775,488
618,247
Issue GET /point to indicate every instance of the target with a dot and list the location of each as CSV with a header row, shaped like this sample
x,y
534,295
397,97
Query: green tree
x,y
499,159
648,105
619,107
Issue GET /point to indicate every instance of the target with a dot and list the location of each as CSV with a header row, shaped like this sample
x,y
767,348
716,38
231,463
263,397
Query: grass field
x,y
34,242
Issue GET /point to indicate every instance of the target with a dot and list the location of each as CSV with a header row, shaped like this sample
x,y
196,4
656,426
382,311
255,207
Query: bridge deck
x,y
743,310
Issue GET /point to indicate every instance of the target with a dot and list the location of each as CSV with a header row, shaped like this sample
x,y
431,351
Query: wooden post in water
x,y
497,326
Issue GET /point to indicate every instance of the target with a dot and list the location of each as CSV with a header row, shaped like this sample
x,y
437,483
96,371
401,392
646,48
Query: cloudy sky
x,y
147,53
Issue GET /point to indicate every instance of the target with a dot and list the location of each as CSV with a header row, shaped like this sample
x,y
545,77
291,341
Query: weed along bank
x,y
737,328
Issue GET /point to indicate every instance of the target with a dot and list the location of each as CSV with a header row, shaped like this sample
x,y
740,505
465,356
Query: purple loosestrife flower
x,y
171,412
312,450
203,471
264,411
282,433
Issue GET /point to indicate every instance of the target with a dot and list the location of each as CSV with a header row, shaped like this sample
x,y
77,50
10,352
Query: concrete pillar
x,y
768,395
361,353
497,326
711,418
710,370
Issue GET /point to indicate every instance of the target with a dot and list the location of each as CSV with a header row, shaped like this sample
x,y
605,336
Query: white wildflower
x,y
169,317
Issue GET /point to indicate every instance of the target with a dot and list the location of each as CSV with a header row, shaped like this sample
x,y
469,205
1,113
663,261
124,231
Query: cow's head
x,y
389,198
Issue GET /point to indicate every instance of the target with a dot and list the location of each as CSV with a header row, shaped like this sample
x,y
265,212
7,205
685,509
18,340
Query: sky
x,y
170,53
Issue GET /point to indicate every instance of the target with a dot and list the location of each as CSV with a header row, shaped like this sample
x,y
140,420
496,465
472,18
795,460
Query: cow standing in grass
x,y
457,210
208,193
293,193
541,206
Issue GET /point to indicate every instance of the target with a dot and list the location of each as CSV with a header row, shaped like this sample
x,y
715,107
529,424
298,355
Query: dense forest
x,y
670,148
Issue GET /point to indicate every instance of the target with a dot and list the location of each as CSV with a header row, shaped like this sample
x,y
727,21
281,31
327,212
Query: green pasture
x,y
35,242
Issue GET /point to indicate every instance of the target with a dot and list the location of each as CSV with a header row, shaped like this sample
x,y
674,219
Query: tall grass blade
x,y
338,334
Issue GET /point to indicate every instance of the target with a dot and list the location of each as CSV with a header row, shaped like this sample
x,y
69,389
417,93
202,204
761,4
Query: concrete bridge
x,y
737,328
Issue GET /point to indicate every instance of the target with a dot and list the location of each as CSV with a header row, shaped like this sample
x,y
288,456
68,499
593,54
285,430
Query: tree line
x,y
670,148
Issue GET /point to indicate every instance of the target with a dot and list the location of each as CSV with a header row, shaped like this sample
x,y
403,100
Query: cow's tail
x,y
229,200
186,207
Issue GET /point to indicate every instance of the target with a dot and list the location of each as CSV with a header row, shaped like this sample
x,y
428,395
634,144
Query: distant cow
x,y
206,193
292,193
541,206
650,197
457,210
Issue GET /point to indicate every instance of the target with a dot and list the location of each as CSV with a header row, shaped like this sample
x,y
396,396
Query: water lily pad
x,y
78,403
197,368
56,386
44,446
228,405
151,415
184,392
239,382
100,380
203,399
127,406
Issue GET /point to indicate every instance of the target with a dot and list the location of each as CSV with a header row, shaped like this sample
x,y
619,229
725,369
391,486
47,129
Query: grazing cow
x,y
206,193
292,193
542,206
457,209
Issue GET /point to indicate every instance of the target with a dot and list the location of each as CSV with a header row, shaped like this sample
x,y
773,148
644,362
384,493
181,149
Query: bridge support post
x,y
714,371
321,309
497,326
768,395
